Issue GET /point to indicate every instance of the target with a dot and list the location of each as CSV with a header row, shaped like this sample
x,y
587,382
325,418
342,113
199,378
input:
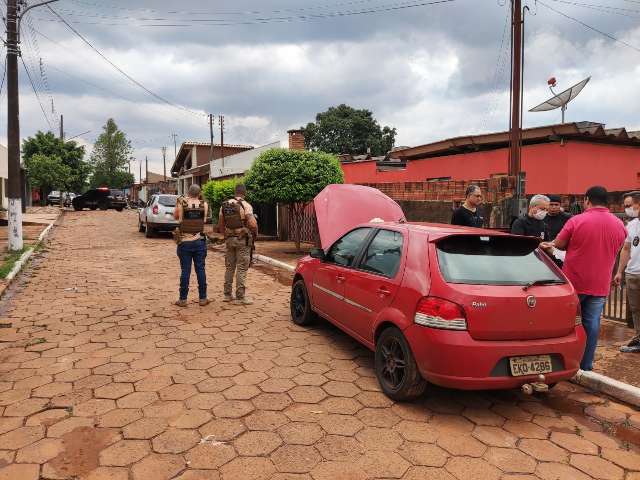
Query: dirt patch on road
x,y
82,447
610,361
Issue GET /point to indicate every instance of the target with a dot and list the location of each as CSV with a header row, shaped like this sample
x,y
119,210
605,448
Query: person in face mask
x,y
629,269
532,224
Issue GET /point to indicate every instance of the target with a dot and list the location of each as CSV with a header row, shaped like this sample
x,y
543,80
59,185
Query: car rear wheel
x,y
148,231
396,367
140,226
301,312
77,208
103,206
119,209
93,207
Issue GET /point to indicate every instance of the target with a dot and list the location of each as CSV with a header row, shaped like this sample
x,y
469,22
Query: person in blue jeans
x,y
592,241
191,211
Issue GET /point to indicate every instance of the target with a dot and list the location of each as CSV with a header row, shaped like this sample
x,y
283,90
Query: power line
x,y
586,25
129,77
625,12
271,20
34,91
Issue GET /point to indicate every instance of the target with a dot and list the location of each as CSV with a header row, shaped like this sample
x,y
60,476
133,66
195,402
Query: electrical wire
x,y
125,74
36,93
624,12
272,20
586,25
500,67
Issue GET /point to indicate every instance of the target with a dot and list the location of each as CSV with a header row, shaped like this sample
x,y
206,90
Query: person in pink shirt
x,y
592,241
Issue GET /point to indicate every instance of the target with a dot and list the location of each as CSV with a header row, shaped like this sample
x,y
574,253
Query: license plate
x,y
531,365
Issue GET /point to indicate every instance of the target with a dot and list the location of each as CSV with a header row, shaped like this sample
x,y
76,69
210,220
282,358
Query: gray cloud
x,y
429,71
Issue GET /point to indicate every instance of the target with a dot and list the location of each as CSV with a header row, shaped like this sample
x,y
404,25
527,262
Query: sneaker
x,y
634,341
227,298
204,302
633,349
181,303
243,301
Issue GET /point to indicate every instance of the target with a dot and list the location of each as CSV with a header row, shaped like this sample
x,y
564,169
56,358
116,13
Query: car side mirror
x,y
317,253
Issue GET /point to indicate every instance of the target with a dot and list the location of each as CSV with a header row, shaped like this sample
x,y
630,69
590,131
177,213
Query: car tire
x,y
148,231
119,209
77,208
103,206
398,383
93,207
140,226
301,312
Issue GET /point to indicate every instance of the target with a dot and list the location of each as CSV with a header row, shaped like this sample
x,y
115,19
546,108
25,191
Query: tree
x,y
344,129
70,153
110,156
48,173
216,192
292,177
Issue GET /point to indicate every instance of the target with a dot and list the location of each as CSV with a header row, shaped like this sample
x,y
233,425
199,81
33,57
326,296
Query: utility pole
x,y
13,123
62,139
221,118
13,129
175,146
146,169
515,150
164,162
211,137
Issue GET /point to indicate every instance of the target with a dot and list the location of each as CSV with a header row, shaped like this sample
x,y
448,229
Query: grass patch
x,y
10,260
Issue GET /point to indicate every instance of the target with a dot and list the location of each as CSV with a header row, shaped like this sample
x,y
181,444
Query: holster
x,y
177,235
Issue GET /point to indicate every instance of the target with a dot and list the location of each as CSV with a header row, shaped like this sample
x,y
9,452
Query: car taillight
x,y
578,315
439,313
155,209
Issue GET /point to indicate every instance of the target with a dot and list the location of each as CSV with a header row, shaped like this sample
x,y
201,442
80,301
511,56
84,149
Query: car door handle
x,y
340,278
384,292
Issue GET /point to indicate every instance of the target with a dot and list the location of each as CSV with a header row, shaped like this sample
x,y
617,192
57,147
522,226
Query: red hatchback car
x,y
458,307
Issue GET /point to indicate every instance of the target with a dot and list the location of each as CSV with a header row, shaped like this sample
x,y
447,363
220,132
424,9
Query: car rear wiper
x,y
542,282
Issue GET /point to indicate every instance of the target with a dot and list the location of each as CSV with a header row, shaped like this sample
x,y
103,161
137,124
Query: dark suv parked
x,y
101,198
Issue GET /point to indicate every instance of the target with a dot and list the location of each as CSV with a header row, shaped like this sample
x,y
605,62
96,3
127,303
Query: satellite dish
x,y
560,100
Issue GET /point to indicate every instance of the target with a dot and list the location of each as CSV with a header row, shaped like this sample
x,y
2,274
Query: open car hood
x,y
340,208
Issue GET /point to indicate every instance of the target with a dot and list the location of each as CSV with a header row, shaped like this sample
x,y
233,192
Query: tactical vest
x,y
192,218
235,218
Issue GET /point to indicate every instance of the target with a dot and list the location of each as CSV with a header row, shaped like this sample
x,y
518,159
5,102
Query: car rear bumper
x,y
163,226
455,360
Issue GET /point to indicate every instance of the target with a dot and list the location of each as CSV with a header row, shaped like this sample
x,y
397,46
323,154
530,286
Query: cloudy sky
x,y
431,69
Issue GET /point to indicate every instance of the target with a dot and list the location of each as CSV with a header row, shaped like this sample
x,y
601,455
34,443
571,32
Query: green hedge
x,y
216,192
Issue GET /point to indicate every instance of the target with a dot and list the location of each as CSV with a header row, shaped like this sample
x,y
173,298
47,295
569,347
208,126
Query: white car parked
x,y
157,215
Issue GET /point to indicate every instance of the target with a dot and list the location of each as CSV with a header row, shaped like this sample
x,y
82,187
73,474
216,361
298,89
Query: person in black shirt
x,y
532,224
468,213
556,218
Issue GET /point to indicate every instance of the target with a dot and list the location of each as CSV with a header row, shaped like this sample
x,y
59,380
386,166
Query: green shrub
x,y
216,192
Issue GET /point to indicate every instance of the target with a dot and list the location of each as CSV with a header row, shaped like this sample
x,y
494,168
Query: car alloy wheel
x,y
396,367
301,312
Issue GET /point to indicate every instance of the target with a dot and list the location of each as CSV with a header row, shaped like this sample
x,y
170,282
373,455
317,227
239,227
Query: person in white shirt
x,y
629,267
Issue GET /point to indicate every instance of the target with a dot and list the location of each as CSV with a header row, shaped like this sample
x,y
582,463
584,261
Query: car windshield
x,y
55,193
167,200
499,260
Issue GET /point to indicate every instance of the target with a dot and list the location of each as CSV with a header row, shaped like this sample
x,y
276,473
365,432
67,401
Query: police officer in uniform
x,y
191,212
556,218
240,228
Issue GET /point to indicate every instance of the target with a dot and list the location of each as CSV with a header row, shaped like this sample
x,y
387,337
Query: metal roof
x,y
580,131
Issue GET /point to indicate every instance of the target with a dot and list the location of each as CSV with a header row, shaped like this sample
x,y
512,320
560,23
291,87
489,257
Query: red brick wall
x,y
296,140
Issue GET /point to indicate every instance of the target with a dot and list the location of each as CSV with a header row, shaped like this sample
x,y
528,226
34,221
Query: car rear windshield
x,y
499,260
117,193
167,200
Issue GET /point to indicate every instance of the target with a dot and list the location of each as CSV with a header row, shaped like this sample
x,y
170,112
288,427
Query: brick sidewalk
x,y
103,378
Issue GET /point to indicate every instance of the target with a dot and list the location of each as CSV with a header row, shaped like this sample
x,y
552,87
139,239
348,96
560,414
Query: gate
x,y
267,219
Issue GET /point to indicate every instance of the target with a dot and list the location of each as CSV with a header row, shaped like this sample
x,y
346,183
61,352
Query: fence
x,y
616,306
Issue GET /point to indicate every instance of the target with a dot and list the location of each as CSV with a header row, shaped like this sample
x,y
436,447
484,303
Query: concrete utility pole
x,y
516,89
221,118
164,162
146,169
211,137
13,123
175,146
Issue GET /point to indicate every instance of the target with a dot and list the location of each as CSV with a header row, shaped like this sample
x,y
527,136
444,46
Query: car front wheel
x,y
396,367
301,312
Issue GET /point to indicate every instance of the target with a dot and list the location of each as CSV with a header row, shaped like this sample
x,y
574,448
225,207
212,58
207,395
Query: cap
x,y
554,198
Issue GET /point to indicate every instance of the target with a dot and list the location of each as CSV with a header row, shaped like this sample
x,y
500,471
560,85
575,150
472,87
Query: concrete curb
x,y
609,386
273,262
25,256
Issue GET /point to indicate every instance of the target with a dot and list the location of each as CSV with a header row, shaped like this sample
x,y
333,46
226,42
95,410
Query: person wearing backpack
x,y
240,228
191,212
